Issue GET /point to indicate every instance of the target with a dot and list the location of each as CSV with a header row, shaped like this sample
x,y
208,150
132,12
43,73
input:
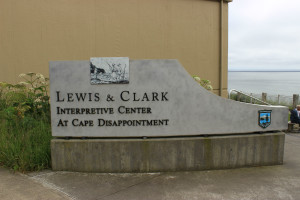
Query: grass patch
x,y
25,146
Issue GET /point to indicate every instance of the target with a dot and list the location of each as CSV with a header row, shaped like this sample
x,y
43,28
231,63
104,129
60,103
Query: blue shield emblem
x,y
264,118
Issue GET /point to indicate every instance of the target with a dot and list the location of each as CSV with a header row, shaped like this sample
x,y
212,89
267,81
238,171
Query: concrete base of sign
x,y
167,154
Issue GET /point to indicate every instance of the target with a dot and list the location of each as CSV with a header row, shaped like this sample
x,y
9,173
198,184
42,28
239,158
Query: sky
x,y
264,35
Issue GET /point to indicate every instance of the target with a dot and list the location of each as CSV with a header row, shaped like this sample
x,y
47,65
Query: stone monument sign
x,y
115,97
116,115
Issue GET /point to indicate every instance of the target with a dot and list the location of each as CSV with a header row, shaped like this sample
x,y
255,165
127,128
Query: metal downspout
x,y
221,50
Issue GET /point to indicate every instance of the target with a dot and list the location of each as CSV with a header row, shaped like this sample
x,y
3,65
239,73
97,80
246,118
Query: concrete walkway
x,y
265,183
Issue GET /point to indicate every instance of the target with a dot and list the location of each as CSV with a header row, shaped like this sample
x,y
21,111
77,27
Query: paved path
x,y
15,186
256,183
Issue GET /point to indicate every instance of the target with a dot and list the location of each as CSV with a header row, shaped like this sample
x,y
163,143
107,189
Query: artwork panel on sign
x,y
109,70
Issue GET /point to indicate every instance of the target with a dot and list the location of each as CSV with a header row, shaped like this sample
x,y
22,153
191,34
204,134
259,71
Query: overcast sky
x,y
264,35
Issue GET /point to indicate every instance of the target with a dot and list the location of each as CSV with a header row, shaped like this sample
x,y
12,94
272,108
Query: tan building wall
x,y
33,32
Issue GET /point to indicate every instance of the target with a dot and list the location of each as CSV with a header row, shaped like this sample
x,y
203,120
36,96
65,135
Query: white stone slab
x,y
170,103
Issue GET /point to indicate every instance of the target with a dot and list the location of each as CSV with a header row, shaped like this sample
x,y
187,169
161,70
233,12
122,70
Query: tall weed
x,y
25,130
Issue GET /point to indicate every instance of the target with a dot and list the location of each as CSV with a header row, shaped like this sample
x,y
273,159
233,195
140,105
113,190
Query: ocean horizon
x,y
284,83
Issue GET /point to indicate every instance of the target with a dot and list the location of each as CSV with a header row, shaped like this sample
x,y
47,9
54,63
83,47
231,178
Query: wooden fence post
x,y
264,96
238,96
295,100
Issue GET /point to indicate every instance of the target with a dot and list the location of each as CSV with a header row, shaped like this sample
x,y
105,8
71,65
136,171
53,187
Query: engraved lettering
x,y
80,96
58,99
163,96
62,123
122,97
70,97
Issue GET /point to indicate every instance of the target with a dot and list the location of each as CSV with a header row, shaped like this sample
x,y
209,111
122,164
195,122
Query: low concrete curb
x,y
167,154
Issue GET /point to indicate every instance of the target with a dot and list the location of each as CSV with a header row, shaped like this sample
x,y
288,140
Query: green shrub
x,y
203,82
25,130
